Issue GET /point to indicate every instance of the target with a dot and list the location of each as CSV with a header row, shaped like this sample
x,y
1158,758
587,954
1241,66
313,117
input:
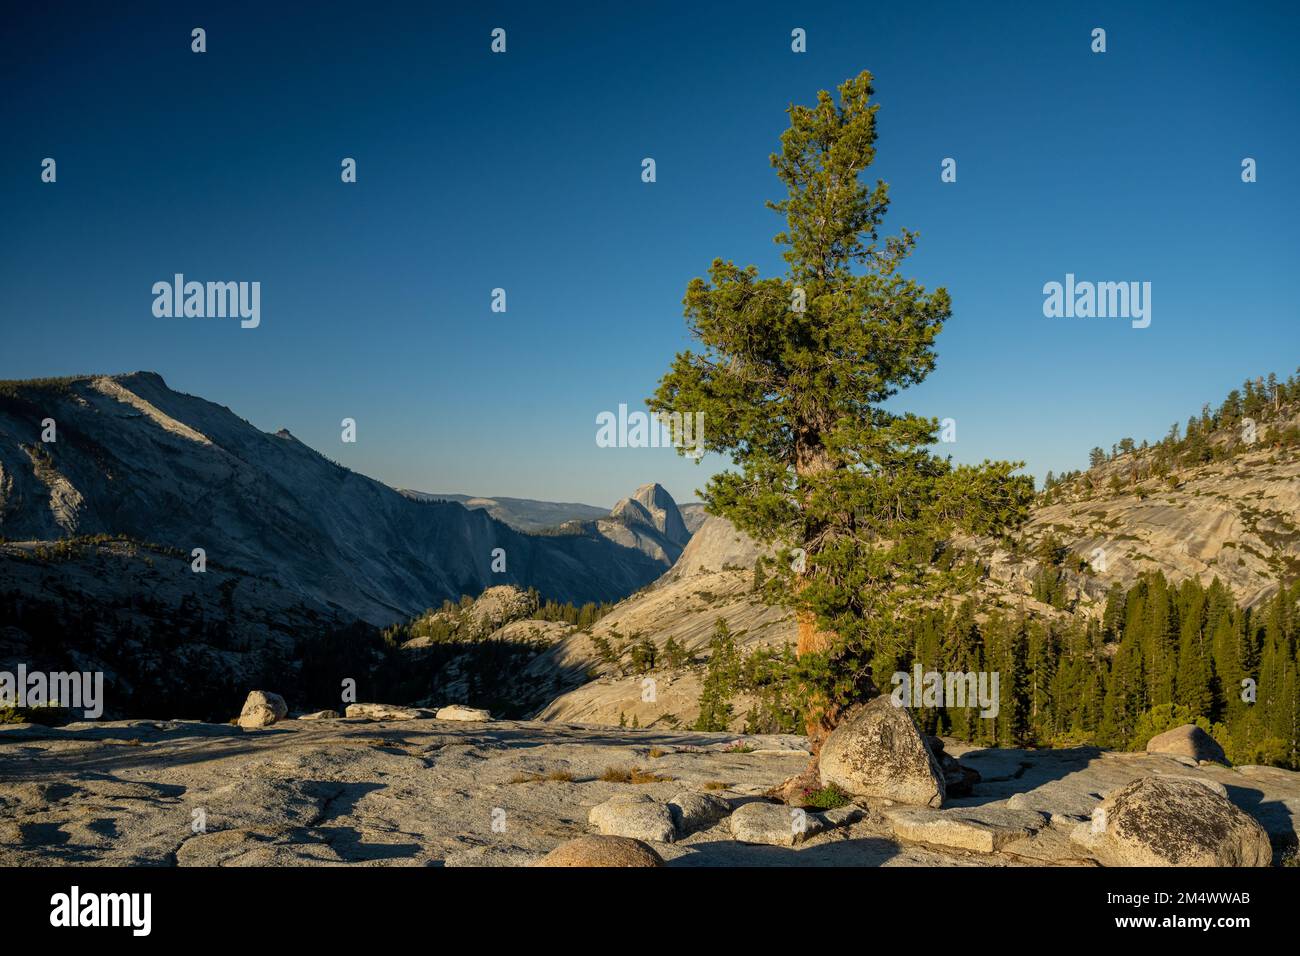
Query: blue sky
x,y
522,171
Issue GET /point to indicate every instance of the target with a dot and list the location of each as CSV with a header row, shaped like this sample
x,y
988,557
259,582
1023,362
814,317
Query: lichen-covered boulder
x,y
1172,821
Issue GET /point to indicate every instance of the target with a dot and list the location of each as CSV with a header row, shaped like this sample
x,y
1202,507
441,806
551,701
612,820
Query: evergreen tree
x,y
721,680
792,376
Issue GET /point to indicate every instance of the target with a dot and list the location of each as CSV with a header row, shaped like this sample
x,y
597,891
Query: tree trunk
x,y
811,459
820,716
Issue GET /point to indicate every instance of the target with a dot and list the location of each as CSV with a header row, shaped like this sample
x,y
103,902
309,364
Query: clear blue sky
x,y
522,171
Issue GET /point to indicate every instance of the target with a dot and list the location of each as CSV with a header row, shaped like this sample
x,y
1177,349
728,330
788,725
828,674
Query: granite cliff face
x,y
712,580
1237,520
133,457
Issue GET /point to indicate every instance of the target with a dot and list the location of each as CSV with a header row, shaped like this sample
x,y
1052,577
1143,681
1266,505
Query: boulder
x,y
842,816
1172,821
262,709
460,712
774,824
601,851
1187,741
320,715
634,815
693,811
877,751
381,712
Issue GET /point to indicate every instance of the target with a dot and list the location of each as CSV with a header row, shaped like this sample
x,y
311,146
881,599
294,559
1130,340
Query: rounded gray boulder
x,y
877,751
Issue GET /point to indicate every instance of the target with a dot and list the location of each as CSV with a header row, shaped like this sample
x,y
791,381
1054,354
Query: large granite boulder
x,y
262,709
1172,821
877,751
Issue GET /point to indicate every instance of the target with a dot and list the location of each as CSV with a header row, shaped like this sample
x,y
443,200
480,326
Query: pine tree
x,y
1159,630
721,678
792,378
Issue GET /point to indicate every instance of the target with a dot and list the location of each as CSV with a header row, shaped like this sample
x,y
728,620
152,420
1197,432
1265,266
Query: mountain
x,y
652,505
522,514
647,522
693,515
131,457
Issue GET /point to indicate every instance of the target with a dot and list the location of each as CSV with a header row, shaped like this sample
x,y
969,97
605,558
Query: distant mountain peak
x,y
651,504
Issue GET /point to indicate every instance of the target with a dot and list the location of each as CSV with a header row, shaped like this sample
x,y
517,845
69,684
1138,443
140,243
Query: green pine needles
x,y
792,373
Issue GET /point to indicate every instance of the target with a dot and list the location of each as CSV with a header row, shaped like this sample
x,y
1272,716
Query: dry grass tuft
x,y
631,775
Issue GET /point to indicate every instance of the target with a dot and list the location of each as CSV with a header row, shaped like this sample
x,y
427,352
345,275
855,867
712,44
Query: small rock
x,y
320,715
842,816
1187,741
381,712
774,824
460,712
637,816
697,811
877,751
1172,821
262,709
601,851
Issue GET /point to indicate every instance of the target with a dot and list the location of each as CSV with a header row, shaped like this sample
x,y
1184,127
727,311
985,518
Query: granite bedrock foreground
x,y
428,792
